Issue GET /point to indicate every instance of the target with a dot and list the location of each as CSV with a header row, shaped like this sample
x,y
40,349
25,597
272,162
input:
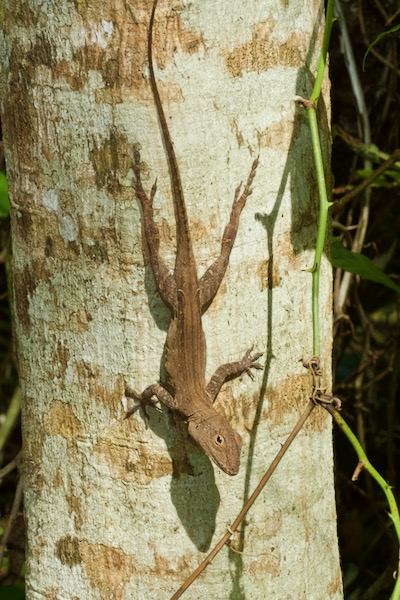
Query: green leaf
x,y
378,39
4,204
359,265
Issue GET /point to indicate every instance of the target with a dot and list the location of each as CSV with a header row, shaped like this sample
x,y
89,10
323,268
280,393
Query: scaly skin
x,y
185,389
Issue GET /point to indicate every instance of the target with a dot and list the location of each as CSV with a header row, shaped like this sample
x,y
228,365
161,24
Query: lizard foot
x,y
248,362
130,393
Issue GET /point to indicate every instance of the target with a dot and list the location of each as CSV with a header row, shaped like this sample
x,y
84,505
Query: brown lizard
x,y
184,389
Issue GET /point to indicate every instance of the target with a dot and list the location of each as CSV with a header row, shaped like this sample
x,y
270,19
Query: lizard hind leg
x,y
211,280
164,281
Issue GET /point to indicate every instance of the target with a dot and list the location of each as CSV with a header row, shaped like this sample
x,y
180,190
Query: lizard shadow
x,y
303,236
192,472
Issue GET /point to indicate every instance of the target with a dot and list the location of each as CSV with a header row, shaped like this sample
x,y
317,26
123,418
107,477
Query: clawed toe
x,y
130,393
250,360
130,412
249,363
249,373
257,366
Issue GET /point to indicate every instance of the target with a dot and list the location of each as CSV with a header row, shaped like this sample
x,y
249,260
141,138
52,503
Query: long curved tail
x,y
183,234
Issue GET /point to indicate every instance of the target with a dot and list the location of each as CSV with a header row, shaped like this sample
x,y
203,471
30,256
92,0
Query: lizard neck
x,y
184,247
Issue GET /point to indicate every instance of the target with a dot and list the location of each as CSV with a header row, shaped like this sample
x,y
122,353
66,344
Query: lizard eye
x,y
219,440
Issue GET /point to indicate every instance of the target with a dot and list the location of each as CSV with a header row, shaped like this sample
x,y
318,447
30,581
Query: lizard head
x,y
217,438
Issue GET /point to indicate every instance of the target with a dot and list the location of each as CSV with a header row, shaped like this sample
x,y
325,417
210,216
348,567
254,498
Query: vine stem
x,y
324,203
365,464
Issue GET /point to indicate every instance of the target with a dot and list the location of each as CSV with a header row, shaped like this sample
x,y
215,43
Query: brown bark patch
x,y
169,30
111,160
266,563
335,585
54,593
24,367
293,393
58,481
33,465
22,118
67,551
99,239
269,274
77,510
261,538
284,248
61,420
79,322
139,464
110,395
259,55
230,405
118,56
25,283
108,568
280,135
41,233
92,377
164,569
62,356
23,286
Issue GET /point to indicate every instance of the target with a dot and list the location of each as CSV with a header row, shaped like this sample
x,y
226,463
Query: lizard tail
x,y
183,232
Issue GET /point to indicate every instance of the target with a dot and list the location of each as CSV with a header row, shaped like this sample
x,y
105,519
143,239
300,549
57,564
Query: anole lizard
x,y
184,389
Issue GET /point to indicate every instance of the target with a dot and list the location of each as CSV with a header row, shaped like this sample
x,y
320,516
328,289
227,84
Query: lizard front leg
x,y
147,397
165,282
211,280
231,371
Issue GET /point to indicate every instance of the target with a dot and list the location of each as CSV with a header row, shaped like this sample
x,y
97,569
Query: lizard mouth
x,y
232,471
228,469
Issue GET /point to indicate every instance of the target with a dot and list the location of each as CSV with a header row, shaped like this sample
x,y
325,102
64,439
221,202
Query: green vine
x,y
366,465
324,205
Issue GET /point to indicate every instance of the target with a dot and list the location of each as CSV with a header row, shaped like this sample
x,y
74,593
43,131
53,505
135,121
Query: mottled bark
x,y
114,509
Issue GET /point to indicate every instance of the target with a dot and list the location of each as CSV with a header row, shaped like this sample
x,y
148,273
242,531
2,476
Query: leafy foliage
x,y
359,265
367,323
380,37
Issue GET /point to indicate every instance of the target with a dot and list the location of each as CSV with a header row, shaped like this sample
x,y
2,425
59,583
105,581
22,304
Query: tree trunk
x,y
112,509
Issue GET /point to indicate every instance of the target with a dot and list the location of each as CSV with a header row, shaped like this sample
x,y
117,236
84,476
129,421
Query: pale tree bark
x,y
115,510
